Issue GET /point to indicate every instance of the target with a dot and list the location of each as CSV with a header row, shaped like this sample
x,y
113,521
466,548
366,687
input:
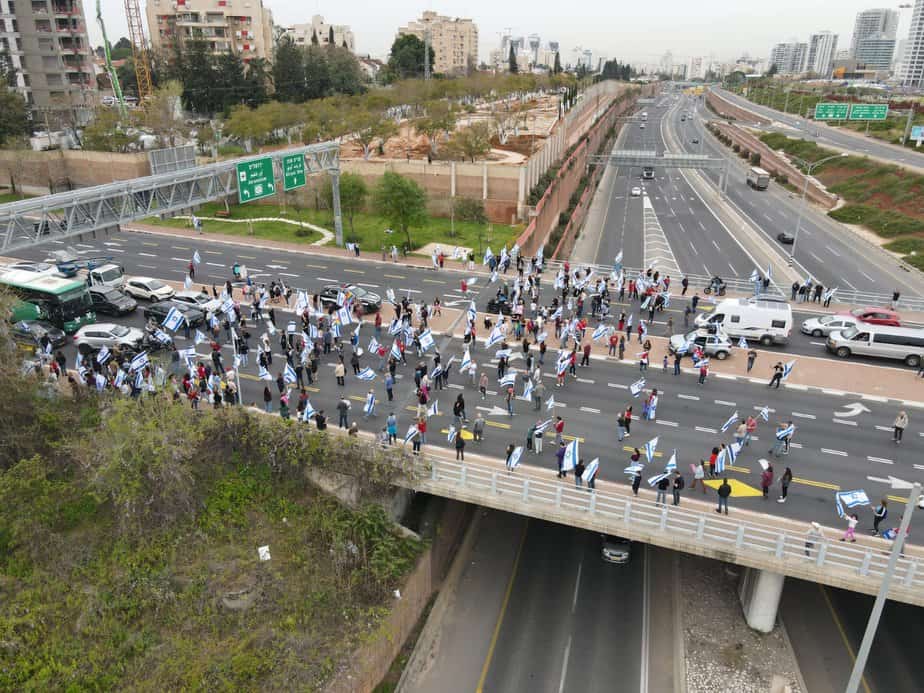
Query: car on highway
x,y
615,549
500,302
826,324
90,338
696,140
148,288
785,238
110,301
713,343
32,332
158,312
642,126
880,341
877,316
370,302
636,191
198,299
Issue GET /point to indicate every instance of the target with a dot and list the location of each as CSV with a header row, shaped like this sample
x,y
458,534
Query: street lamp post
x,y
873,624
809,167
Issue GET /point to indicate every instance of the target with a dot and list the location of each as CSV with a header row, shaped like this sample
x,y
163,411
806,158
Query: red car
x,y
877,316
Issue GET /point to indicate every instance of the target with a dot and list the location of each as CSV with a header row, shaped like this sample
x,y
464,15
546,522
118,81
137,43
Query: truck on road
x,y
758,178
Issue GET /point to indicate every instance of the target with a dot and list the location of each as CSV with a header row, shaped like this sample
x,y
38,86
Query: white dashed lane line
x,y
724,403
844,422
690,397
673,424
880,460
590,410
800,415
702,429
828,451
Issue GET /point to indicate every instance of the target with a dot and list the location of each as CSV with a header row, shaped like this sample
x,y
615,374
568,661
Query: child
x,y
664,364
851,528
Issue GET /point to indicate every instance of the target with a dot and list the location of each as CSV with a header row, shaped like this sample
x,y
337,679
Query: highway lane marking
x,y
673,424
797,446
866,275
817,343
817,259
817,484
495,424
828,451
683,396
878,480
146,254
151,244
214,264
626,387
180,259
353,271
881,460
693,247
843,633
212,252
247,257
425,281
734,271
832,251
325,279
800,415
148,267
844,422
883,428
179,247
716,245
585,380
700,224
394,276
311,266
577,587
369,286
703,429
286,274
724,402
590,410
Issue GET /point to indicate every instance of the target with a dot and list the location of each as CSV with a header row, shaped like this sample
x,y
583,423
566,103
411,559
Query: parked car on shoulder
x,y
826,324
877,316
198,299
158,312
91,338
370,302
147,288
713,343
32,332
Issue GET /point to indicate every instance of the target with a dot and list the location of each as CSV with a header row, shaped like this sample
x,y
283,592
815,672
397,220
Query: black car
x,y
158,311
501,302
785,238
370,302
110,301
32,331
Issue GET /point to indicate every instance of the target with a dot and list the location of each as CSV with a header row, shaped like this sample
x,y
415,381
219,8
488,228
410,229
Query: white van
x,y
767,322
882,341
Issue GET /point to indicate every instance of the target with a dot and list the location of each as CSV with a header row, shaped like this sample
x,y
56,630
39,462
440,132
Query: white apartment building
x,y
911,73
243,26
301,33
454,41
789,58
821,49
880,23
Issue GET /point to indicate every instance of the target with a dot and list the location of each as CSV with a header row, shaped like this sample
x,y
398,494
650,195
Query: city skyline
x,y
633,34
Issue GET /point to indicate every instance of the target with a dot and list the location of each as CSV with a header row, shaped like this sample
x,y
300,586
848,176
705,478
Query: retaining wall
x,y
38,173
726,109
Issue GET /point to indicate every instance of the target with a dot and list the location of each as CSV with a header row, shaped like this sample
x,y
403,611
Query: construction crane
x,y
140,54
114,78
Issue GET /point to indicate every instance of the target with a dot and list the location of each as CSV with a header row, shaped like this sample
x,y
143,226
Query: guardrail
x,y
857,568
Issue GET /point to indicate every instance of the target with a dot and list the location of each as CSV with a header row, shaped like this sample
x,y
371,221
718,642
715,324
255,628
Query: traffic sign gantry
x,y
255,179
869,111
293,172
831,111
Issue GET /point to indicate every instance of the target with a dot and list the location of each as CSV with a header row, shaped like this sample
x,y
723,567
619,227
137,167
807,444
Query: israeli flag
x,y
494,276
395,327
390,295
650,448
412,432
309,411
645,303
466,360
173,320
139,380
426,340
434,409
345,316
289,374
787,368
487,256
196,259
374,346
162,337
742,343
550,403
301,302
213,323
629,320
472,313
366,374
765,413
644,328
187,282
851,499
637,387
541,428
334,329
542,336
187,354
312,333
264,374
666,296
557,314
731,421
436,372
227,305
784,433
590,471
514,460
653,481
617,261
720,462
471,281
395,350
572,455
733,451
509,378
755,275
601,331
829,294
502,354
451,434
632,469
671,463
496,336
527,391
140,361
562,366
559,282
341,298
103,355
100,382
119,378
369,407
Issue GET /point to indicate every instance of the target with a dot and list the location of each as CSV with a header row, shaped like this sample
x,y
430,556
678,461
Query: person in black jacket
x,y
724,492
460,446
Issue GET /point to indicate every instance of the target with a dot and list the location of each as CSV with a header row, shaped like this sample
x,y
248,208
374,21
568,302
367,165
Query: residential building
x,y
821,49
697,68
242,26
454,41
911,73
879,23
875,53
301,33
789,58
51,56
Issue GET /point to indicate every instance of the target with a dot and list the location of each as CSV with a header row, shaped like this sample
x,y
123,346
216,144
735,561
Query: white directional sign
x,y
853,409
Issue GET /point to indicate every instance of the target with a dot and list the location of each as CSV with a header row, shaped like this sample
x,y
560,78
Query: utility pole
x,y
908,124
426,53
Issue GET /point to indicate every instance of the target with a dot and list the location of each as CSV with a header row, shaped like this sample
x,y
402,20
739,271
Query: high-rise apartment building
x,y
242,26
879,23
47,43
911,73
821,49
789,58
454,41
302,33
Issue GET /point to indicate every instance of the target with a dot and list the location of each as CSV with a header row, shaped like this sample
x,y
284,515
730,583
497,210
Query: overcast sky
x,y
631,31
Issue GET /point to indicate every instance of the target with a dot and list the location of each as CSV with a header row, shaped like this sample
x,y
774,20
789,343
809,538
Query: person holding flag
x,y
369,407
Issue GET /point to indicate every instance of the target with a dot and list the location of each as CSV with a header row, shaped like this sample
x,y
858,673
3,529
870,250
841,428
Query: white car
x,y
826,324
198,299
636,191
148,289
106,334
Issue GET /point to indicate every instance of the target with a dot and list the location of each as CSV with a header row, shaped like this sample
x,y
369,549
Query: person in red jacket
x,y
559,429
585,359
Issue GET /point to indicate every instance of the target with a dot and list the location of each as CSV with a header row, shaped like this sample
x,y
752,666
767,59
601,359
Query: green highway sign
x,y
831,111
293,171
255,180
869,111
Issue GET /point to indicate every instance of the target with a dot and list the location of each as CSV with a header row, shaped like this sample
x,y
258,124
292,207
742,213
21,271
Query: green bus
x,y
63,302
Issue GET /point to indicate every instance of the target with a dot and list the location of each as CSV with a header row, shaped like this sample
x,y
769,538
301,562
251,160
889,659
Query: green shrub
x,y
886,223
470,209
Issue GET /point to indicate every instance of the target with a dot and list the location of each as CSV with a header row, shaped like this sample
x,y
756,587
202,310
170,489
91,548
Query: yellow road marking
x,y
497,424
840,629
503,610
247,257
743,470
629,448
151,244
179,247
212,252
897,499
431,281
567,437
739,488
466,435
818,484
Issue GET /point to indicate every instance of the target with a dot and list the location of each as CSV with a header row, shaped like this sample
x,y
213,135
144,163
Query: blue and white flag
x,y
103,355
436,372
162,337
514,460
851,499
369,407
288,374
412,432
653,481
472,312
601,331
187,282
527,391
140,361
784,433
434,408
632,469
395,350
563,366
629,321
541,337
345,316
731,421
742,343
550,403
395,327
572,456
828,295
541,427
510,378
497,335
196,259
119,378
502,354
426,340
309,411
637,387
466,361
787,368
733,451
366,374
334,330
487,256
173,320
769,272
226,305
765,413
139,380
720,461
390,295
671,463
645,303
755,275
374,346
556,314
200,337
650,448
301,302
451,434
590,471
264,374
100,382
617,261
494,276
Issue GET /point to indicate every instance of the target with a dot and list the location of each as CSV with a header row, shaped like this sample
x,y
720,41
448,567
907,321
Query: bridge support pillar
x,y
760,592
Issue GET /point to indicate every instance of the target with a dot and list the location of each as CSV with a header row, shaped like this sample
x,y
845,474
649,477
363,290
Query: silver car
x,y
105,334
713,344
615,549
826,324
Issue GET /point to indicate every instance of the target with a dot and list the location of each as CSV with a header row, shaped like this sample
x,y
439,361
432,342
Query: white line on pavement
x,y
368,286
881,460
180,259
832,251
146,254
878,480
667,423
833,392
725,403
919,467
884,428
797,446
693,397
800,415
325,279
702,429
626,387
844,422
286,274
757,407
148,267
585,380
817,343
716,245
834,452
214,264
590,410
